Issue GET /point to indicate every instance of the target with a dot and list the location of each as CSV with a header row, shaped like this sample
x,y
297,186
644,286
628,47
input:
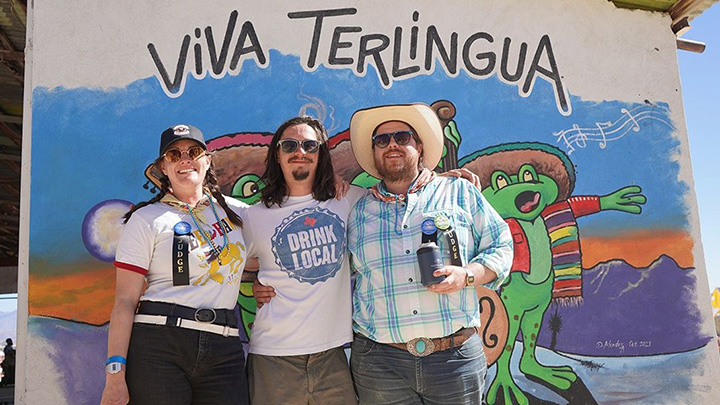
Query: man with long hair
x,y
297,232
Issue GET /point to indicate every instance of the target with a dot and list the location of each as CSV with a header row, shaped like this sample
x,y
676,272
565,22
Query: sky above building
x,y
701,91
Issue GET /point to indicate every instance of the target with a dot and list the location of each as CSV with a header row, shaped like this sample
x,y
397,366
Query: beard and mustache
x,y
397,171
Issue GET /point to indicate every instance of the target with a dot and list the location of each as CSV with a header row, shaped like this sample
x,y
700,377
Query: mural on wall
x,y
602,303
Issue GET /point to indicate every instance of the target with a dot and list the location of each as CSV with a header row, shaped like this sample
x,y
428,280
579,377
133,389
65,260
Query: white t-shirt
x,y
146,246
302,251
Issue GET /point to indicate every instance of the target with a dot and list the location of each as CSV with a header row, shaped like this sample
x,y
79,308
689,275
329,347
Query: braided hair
x,y
210,183
164,189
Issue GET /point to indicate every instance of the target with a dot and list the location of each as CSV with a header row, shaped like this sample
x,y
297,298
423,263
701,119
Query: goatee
x,y
300,175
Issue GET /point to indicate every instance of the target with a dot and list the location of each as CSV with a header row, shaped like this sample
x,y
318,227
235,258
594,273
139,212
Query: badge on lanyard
x,y
428,227
429,231
443,224
180,258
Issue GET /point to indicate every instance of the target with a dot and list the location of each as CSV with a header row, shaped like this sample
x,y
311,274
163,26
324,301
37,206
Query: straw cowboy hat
x,y
420,117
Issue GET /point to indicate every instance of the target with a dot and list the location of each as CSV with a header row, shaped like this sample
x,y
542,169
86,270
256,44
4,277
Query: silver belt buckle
x,y
420,347
201,317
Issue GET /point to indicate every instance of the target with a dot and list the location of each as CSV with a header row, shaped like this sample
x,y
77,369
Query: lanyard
x,y
180,258
454,249
430,229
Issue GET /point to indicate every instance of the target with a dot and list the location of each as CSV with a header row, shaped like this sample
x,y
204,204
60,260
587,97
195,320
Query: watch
x,y
470,279
113,368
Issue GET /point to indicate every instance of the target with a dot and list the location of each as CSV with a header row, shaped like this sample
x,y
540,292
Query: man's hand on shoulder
x,y
262,293
341,187
455,280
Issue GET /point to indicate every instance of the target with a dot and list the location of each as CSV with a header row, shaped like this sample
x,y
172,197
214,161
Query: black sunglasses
x,y
383,140
291,145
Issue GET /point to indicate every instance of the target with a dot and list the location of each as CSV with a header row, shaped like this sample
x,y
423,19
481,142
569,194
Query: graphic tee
x,y
302,252
146,246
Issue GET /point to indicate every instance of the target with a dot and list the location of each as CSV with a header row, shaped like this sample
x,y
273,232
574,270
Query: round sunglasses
x,y
383,140
291,145
174,155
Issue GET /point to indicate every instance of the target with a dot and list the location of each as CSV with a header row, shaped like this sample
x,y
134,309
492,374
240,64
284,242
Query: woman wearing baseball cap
x,y
173,335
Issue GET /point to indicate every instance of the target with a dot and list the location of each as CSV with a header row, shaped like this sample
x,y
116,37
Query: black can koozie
x,y
429,260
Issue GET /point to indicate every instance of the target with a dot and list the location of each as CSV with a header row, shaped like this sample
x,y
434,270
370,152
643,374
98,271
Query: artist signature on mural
x,y
613,345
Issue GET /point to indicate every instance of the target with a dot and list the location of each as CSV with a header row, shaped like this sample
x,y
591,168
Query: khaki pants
x,y
319,378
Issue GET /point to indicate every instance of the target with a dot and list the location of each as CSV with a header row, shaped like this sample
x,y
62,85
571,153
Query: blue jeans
x,y
170,365
384,374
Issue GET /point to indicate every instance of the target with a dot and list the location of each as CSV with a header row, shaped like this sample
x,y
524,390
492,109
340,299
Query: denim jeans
x,y
171,365
384,374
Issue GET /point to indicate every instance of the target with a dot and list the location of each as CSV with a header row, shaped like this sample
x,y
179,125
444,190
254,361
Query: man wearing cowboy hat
x,y
413,341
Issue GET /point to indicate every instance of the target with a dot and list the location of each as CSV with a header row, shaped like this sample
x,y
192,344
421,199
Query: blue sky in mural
x,y
107,137
701,87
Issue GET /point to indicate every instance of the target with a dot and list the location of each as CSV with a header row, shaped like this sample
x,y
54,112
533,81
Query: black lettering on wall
x,y
172,86
364,52
552,74
319,15
449,60
414,36
336,44
397,71
198,53
483,56
520,64
217,64
247,32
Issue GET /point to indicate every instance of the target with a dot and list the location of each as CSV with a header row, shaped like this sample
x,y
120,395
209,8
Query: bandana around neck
x,y
172,201
382,194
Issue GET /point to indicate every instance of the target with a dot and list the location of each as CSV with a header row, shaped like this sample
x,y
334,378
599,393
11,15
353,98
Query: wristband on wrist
x,y
116,359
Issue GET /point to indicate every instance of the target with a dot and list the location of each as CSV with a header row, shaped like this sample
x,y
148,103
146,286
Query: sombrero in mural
x,y
546,159
420,117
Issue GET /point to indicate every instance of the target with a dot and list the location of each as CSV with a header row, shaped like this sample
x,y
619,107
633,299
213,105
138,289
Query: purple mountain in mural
x,y
630,311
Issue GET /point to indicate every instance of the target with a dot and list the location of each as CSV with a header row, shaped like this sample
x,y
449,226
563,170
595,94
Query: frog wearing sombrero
x,y
530,185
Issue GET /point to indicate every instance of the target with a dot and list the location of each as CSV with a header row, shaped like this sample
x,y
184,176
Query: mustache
x,y
299,160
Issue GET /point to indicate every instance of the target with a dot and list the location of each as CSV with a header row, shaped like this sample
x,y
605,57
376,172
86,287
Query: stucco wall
x,y
586,94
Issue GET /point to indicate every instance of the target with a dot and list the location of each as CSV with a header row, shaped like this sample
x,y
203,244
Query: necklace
x,y
216,251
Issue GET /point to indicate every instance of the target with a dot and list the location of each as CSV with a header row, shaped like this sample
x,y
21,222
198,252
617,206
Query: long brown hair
x,y
210,182
275,190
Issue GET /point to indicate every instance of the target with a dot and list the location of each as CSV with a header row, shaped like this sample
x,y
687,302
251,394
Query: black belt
x,y
224,317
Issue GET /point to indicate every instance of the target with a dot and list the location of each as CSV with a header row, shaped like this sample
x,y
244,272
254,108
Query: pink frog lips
x,y
527,201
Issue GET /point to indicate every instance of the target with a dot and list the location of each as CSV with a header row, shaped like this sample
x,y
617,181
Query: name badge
x,y
180,258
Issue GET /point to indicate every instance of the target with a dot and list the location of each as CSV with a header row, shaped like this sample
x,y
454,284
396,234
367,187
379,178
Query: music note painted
x,y
580,137
599,125
636,126
561,136
608,131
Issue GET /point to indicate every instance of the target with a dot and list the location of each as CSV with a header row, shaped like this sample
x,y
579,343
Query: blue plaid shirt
x,y
390,305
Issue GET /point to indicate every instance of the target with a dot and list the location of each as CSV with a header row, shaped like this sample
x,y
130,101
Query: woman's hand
x,y
116,390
